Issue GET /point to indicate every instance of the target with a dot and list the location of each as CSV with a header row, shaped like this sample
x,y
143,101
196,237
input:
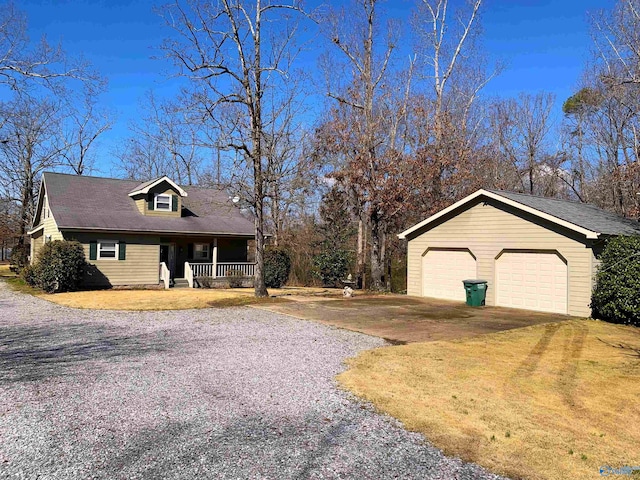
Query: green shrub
x,y
331,266
616,296
234,277
277,265
28,275
19,258
59,266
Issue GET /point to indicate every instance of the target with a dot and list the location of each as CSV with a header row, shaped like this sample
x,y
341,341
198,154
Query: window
x,y
107,249
201,251
163,202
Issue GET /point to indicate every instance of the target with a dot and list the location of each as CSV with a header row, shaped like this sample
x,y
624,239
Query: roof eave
x,y
36,229
152,232
590,234
145,190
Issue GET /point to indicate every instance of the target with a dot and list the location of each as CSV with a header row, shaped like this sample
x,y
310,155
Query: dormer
x,y
160,197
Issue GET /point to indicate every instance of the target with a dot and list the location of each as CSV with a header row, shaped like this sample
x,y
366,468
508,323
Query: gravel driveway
x,y
232,393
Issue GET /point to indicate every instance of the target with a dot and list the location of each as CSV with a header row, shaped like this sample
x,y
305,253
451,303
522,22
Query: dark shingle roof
x,y
80,202
580,214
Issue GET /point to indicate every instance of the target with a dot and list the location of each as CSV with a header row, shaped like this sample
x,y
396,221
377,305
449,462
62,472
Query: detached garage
x,y
535,253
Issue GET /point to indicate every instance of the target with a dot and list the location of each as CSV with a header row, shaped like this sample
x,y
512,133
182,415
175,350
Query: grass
x,y
5,272
16,283
173,299
552,401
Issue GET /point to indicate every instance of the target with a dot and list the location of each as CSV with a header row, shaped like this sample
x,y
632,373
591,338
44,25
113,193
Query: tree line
x,y
388,126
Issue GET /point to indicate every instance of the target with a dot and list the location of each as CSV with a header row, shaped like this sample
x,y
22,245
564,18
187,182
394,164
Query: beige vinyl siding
x,y
486,231
141,203
139,268
37,241
49,230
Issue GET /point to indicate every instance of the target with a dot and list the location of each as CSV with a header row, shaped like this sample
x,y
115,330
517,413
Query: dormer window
x,y
162,202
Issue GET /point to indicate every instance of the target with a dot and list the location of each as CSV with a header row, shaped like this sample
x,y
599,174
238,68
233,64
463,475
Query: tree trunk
x,y
258,177
377,254
360,255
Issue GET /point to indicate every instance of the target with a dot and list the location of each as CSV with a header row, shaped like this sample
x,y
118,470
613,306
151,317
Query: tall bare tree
x,y
616,35
31,145
24,64
85,123
453,72
522,130
234,51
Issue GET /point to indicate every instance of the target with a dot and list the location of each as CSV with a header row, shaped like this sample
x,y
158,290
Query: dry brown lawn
x,y
173,299
4,270
555,401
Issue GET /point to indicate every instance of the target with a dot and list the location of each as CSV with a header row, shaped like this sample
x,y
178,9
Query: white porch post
x,y
214,258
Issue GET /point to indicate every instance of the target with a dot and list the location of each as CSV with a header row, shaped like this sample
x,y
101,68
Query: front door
x,y
168,256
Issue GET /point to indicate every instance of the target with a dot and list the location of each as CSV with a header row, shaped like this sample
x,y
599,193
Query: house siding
x,y
139,268
486,231
49,229
37,241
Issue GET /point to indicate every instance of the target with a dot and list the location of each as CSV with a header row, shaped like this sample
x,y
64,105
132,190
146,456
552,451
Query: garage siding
x,y
140,267
486,231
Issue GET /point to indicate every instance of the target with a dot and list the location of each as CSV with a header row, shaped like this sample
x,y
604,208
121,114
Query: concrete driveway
x,y
233,393
403,319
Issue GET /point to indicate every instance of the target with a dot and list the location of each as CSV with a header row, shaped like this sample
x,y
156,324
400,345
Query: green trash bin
x,y
476,292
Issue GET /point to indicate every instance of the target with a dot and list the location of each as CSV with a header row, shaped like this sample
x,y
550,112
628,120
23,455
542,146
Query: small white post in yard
x,y
214,258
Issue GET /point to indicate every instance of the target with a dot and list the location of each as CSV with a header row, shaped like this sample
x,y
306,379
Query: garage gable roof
x,y
579,217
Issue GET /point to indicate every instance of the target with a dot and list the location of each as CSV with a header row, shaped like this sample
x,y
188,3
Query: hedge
x,y
616,295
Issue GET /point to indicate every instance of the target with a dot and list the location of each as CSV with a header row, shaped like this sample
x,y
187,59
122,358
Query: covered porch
x,y
184,260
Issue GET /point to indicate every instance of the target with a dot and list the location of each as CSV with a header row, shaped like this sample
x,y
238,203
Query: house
x,y
152,233
535,253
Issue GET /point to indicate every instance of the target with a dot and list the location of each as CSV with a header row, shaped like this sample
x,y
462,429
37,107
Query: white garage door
x,y
532,281
443,272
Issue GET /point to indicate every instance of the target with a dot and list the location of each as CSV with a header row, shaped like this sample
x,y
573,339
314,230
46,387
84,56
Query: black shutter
x,y
93,250
150,202
190,251
174,203
122,250
211,251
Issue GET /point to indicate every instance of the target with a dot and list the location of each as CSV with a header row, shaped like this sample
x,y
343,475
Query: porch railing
x,y
188,274
202,269
246,269
165,275
216,270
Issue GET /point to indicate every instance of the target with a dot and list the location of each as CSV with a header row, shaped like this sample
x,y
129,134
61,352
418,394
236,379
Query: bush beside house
x,y
59,267
616,295
331,266
19,258
277,266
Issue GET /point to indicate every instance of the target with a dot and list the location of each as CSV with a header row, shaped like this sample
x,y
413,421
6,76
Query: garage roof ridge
x,y
582,218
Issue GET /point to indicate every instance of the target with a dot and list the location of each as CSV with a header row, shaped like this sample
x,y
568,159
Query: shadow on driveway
x,y
32,353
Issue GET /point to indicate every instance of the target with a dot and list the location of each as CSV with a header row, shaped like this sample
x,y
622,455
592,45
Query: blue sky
x,y
544,45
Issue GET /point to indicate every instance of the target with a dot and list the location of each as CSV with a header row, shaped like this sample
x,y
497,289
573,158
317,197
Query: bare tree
x,y
31,132
452,69
234,52
23,64
521,128
85,123
373,168
164,141
616,35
